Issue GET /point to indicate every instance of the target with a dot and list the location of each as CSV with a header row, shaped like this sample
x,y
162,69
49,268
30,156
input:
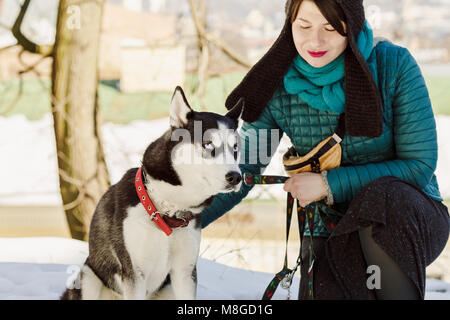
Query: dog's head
x,y
207,146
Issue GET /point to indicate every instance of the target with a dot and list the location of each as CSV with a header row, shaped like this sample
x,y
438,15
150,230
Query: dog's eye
x,y
208,145
235,148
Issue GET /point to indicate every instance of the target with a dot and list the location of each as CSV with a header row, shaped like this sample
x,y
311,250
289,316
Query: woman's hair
x,y
329,9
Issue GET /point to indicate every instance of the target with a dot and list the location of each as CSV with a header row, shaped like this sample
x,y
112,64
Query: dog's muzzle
x,y
233,178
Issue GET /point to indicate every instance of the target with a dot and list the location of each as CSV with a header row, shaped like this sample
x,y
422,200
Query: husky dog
x,y
130,257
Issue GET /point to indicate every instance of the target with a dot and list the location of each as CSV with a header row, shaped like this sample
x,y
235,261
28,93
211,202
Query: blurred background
x,y
80,81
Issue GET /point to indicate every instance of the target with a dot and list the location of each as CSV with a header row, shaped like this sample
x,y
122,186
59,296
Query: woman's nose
x,y
317,39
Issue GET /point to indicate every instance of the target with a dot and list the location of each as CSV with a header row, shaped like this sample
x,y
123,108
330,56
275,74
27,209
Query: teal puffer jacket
x,y
407,148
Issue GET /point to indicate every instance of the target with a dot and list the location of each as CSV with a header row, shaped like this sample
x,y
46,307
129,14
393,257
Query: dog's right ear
x,y
179,109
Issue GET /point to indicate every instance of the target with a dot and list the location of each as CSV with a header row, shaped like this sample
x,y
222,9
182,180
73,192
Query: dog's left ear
x,y
179,109
236,112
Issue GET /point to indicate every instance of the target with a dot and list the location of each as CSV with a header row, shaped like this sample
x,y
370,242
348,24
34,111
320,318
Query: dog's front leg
x,y
184,282
183,274
135,289
91,285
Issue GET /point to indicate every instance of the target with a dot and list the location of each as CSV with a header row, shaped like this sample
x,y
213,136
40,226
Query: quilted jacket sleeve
x,y
259,141
415,138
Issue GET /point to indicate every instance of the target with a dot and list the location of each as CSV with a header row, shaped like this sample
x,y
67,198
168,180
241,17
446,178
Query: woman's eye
x,y
331,30
304,27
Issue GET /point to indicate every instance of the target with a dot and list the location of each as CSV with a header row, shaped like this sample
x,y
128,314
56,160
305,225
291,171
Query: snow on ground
x,y
39,268
27,150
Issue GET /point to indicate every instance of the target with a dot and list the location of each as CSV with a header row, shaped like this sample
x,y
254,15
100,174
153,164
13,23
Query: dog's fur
x,y
129,256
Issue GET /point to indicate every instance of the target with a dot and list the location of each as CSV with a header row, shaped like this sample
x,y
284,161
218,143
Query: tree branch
x,y
199,17
227,50
202,33
34,65
22,40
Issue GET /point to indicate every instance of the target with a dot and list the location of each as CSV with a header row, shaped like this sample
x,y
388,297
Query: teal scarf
x,y
323,88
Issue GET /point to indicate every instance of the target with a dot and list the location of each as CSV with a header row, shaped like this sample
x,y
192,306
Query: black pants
x,y
410,227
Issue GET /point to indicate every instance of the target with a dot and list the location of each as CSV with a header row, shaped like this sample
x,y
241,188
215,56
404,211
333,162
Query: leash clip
x,y
287,281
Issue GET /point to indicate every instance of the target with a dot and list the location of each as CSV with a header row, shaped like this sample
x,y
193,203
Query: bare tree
x,y
26,46
199,16
210,37
82,169
81,161
205,41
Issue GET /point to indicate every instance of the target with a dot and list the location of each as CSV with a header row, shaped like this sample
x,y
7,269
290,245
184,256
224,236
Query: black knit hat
x,y
363,103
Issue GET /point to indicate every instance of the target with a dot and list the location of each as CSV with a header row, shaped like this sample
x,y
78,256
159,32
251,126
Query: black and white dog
x,y
130,256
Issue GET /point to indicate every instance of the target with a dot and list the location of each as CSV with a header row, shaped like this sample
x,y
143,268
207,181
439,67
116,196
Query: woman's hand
x,y
307,187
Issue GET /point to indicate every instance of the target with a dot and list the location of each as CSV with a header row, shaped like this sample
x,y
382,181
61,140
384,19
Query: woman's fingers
x,y
287,185
306,187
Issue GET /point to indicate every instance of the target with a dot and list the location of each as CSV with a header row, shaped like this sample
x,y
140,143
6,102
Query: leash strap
x,y
312,256
329,217
286,275
251,179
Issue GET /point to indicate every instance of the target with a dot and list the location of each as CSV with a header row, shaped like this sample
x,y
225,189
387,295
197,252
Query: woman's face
x,y
315,39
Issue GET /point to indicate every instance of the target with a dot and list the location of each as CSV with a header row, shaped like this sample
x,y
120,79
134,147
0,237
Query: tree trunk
x,y
83,174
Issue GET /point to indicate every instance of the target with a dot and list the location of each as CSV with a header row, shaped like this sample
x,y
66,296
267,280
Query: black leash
x,y
329,217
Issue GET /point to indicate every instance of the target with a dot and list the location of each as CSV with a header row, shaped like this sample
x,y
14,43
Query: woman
x,y
324,63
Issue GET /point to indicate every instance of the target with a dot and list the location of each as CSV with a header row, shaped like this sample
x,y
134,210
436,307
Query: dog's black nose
x,y
233,178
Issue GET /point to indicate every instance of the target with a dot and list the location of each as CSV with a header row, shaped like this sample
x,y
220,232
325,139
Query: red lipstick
x,y
317,54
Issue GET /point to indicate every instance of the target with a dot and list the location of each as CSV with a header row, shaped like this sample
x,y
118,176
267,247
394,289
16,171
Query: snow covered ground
x,y
39,268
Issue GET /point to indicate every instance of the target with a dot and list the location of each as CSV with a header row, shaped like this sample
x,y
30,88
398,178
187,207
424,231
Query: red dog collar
x,y
165,224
